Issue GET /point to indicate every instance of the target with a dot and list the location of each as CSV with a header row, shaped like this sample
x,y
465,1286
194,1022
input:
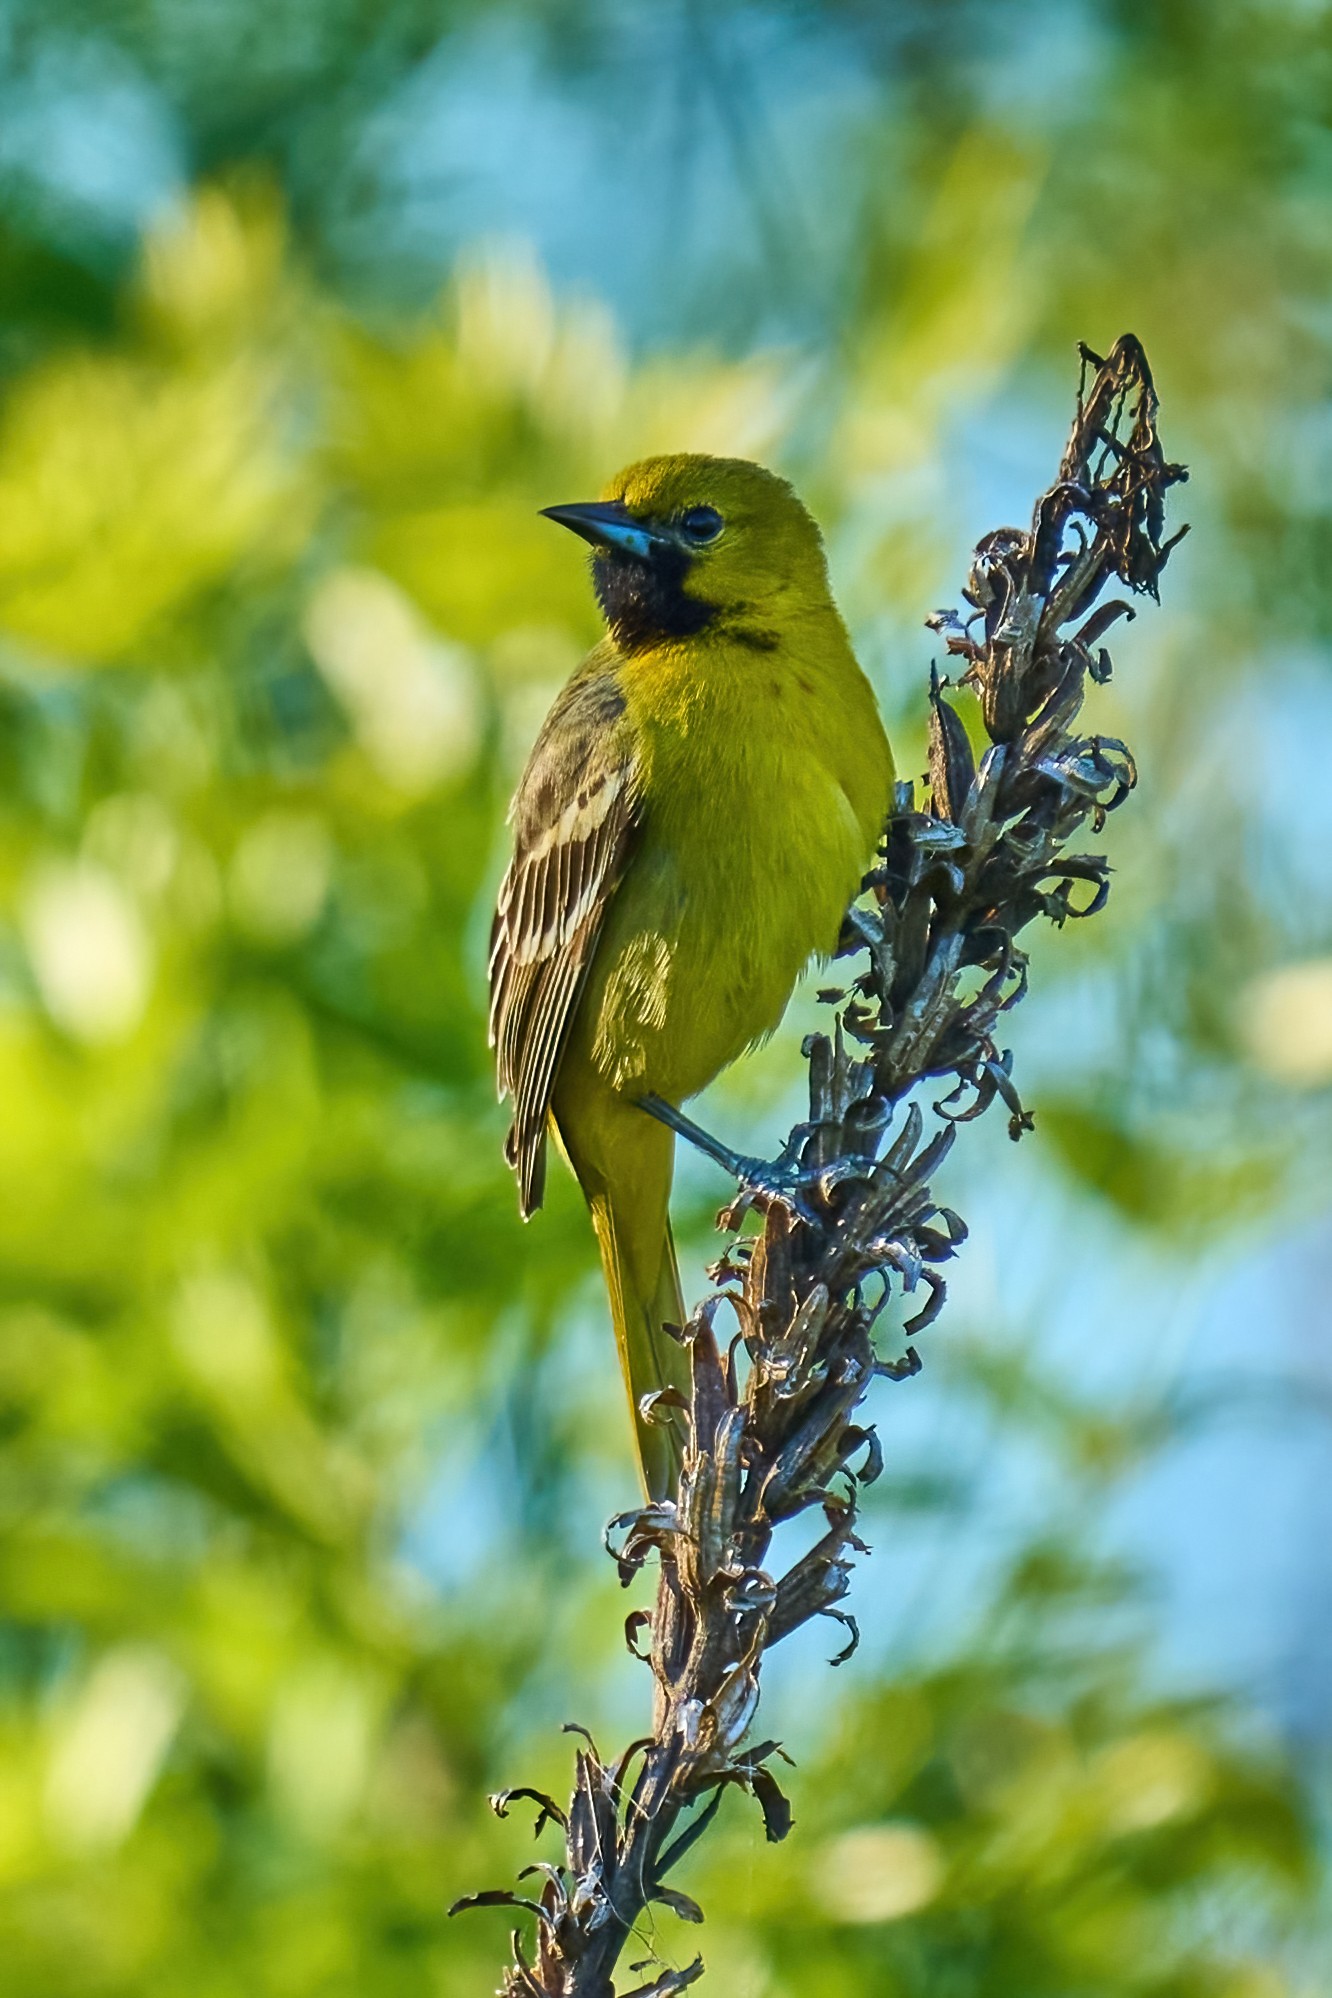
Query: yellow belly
x,y
709,931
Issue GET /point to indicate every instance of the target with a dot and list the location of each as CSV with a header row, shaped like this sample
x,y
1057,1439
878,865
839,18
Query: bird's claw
x,y
774,1183
784,1181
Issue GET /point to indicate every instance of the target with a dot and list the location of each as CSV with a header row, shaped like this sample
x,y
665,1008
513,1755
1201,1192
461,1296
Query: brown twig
x,y
771,1424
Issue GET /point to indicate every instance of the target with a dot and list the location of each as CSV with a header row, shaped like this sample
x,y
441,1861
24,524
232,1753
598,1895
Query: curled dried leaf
x,y
774,1804
852,1644
498,1897
670,1982
548,1811
683,1905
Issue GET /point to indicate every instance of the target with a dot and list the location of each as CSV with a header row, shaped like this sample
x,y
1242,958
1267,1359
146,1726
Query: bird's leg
x,y
782,1178
685,1127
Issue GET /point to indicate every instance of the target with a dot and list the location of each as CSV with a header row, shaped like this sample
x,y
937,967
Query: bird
x,y
696,816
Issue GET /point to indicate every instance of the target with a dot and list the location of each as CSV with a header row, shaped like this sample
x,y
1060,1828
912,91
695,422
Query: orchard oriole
x,y
695,818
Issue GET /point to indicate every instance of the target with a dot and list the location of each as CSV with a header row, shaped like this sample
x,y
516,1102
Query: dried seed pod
x,y
952,765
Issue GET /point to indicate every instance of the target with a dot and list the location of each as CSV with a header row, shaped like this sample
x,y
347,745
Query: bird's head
x,y
689,543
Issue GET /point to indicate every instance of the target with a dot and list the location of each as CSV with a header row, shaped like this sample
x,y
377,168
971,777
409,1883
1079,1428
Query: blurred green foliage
x,y
303,1442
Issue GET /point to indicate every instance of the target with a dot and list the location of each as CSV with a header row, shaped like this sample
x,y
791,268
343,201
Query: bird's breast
x,y
751,851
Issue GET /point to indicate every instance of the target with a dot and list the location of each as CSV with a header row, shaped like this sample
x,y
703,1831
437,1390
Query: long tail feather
x,y
623,1160
642,1306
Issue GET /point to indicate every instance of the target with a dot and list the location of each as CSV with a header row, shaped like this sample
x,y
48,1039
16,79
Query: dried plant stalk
x,y
771,1423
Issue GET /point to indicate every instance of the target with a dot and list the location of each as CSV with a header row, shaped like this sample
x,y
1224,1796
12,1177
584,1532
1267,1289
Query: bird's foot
x,y
782,1181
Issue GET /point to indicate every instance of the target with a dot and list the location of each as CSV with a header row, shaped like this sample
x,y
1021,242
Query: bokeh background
x,y
305,1445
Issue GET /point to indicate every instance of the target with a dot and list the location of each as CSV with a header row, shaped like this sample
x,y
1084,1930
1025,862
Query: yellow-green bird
x,y
696,815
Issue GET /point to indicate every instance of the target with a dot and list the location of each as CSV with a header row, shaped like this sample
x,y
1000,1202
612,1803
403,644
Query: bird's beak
x,y
608,524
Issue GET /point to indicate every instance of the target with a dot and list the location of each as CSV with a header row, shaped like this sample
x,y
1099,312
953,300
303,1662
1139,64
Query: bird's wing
x,y
575,815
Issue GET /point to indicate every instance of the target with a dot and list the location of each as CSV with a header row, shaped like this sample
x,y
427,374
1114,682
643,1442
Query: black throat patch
x,y
645,601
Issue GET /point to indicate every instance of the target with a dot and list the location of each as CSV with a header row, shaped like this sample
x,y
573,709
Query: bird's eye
x,y
701,523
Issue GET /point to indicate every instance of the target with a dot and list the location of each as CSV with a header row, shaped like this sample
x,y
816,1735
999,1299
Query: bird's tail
x,y
643,1285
